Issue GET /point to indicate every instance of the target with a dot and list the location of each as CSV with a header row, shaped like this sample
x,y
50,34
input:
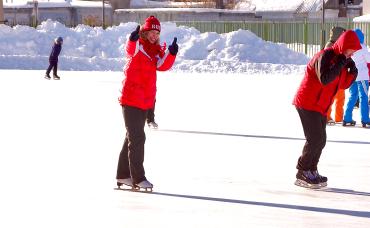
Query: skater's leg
x,y
49,68
339,105
55,69
315,138
123,170
135,122
353,96
317,155
150,114
363,88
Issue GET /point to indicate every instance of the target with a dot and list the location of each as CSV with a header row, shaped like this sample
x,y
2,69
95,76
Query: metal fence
x,y
300,36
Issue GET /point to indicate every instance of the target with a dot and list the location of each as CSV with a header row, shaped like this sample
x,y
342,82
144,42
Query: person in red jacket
x,y
329,70
144,57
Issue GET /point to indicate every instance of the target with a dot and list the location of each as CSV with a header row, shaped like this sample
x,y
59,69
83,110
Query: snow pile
x,y
92,48
363,18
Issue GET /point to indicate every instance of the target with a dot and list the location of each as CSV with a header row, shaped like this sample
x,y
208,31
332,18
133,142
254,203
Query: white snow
x,y
87,48
363,18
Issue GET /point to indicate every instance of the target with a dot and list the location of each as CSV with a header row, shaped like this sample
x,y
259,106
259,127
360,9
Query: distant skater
x,y
340,96
145,56
360,88
328,70
53,59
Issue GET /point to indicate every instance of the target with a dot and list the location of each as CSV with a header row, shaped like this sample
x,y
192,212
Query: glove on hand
x,y
135,34
173,48
341,60
351,66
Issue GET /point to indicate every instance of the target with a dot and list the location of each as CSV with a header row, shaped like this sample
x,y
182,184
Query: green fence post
x,y
305,38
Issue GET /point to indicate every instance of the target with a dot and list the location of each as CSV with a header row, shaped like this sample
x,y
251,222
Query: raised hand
x,y
173,48
135,34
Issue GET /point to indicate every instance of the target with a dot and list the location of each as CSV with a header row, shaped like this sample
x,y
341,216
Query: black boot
x,y
307,179
322,179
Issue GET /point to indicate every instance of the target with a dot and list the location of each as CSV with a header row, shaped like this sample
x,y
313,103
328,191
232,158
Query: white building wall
x,y
366,7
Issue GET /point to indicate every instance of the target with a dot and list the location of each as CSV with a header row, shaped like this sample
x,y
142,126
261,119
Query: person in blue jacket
x,y
53,59
359,88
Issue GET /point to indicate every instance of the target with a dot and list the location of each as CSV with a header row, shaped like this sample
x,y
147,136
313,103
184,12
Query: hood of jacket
x,y
348,40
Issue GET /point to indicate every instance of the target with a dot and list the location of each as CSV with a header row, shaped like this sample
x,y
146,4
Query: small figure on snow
x,y
144,57
328,70
53,59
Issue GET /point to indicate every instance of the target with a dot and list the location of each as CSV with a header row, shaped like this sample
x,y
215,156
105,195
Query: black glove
x,y
135,34
341,60
173,48
351,66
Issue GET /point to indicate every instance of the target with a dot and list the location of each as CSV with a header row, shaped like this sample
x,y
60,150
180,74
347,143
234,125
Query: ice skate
x,y
56,77
366,125
330,122
323,180
153,125
145,185
307,180
349,123
126,181
47,77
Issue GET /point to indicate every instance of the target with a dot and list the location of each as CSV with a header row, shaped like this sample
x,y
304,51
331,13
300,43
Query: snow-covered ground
x,y
224,156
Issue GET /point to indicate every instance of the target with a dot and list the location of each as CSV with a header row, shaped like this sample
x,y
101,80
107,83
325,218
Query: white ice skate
x,y
330,122
126,181
153,125
146,185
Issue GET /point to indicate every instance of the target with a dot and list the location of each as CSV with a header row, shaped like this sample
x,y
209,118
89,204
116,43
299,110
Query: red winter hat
x,y
152,23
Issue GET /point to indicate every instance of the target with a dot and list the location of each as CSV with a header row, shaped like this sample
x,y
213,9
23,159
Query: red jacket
x,y
139,85
325,75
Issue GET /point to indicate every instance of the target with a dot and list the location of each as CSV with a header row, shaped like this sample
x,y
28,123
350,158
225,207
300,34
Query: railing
x,y
300,36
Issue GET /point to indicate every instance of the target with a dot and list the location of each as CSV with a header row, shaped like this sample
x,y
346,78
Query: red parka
x,y
324,76
143,61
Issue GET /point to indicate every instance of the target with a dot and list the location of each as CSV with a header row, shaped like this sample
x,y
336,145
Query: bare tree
x,y
220,4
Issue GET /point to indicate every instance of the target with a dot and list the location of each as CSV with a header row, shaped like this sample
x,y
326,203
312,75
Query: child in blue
x,y
53,59
360,87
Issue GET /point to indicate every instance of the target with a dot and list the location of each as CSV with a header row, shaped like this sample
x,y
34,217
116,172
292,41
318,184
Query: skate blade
x,y
330,123
140,189
304,184
133,189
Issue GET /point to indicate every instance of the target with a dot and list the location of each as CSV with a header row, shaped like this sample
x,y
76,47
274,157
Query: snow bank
x,y
92,48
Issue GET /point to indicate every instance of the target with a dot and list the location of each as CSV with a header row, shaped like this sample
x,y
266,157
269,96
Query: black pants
x,y
52,65
314,127
131,158
150,115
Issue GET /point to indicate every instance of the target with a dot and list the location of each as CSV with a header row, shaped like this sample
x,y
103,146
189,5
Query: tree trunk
x,y
220,4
